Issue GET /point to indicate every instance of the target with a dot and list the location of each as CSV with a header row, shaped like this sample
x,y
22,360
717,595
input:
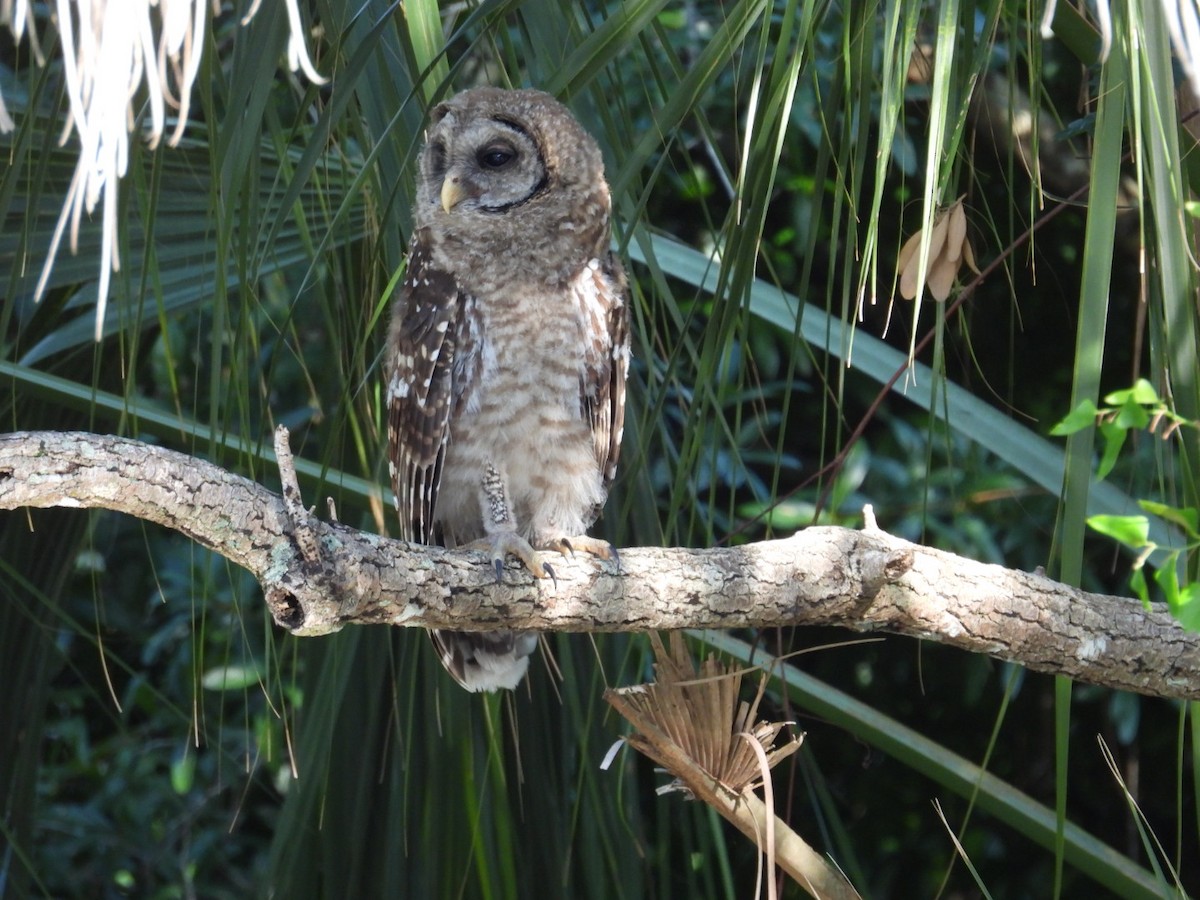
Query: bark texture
x,y
318,576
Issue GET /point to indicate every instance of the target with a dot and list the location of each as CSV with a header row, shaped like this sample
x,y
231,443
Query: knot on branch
x,y
286,609
880,564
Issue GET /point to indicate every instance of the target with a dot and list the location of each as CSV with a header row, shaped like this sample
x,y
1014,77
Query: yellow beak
x,y
453,193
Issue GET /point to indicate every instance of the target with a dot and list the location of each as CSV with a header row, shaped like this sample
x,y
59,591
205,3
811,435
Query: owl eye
x,y
496,156
437,159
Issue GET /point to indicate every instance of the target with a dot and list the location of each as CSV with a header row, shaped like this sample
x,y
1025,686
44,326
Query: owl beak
x,y
453,193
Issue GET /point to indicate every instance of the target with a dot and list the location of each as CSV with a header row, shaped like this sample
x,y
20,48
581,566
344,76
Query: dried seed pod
x,y
949,248
957,234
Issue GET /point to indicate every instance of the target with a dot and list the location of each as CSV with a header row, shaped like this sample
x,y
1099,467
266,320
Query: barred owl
x,y
507,352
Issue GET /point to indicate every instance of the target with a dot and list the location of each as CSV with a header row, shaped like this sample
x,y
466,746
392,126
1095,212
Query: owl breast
x,y
523,416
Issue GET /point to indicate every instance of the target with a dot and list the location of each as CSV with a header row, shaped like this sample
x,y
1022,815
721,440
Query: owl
x,y
508,351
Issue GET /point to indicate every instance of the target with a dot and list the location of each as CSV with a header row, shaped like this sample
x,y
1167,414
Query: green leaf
x,y
1132,531
1142,392
1186,607
124,879
1137,581
1114,440
230,678
1187,518
1077,419
674,19
1132,414
1168,581
183,773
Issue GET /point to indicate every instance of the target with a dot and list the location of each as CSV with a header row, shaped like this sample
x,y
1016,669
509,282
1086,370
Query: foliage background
x,y
161,738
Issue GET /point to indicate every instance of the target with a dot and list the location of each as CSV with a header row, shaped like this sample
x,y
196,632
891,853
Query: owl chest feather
x,y
523,416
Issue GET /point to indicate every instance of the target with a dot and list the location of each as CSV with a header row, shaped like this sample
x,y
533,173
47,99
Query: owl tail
x,y
485,660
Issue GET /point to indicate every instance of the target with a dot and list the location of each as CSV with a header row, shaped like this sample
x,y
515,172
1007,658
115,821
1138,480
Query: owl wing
x,y
431,344
605,296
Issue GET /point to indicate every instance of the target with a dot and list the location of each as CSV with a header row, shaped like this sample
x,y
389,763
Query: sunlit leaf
x,y
1137,581
1186,607
1142,392
1188,518
230,678
1077,419
1132,414
1167,580
183,773
1132,531
1114,440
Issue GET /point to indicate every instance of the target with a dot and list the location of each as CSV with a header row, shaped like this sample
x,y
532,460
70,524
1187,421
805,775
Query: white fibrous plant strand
x,y
110,48
1183,23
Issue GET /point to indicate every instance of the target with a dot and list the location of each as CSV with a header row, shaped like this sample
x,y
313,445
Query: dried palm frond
x,y
691,723
698,710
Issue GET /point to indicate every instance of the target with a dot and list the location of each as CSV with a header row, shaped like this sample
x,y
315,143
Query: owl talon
x,y
502,544
569,546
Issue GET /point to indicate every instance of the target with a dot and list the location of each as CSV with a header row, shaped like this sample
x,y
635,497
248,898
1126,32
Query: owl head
x,y
511,185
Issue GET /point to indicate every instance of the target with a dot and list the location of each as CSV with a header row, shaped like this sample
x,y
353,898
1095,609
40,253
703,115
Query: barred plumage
x,y
508,350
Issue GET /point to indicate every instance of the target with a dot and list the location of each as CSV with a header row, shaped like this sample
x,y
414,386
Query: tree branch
x,y
865,580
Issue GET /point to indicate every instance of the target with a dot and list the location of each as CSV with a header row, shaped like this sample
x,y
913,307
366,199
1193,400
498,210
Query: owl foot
x,y
569,546
498,546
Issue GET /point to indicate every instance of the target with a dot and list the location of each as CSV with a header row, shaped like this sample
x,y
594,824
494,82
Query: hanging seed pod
x,y
949,249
